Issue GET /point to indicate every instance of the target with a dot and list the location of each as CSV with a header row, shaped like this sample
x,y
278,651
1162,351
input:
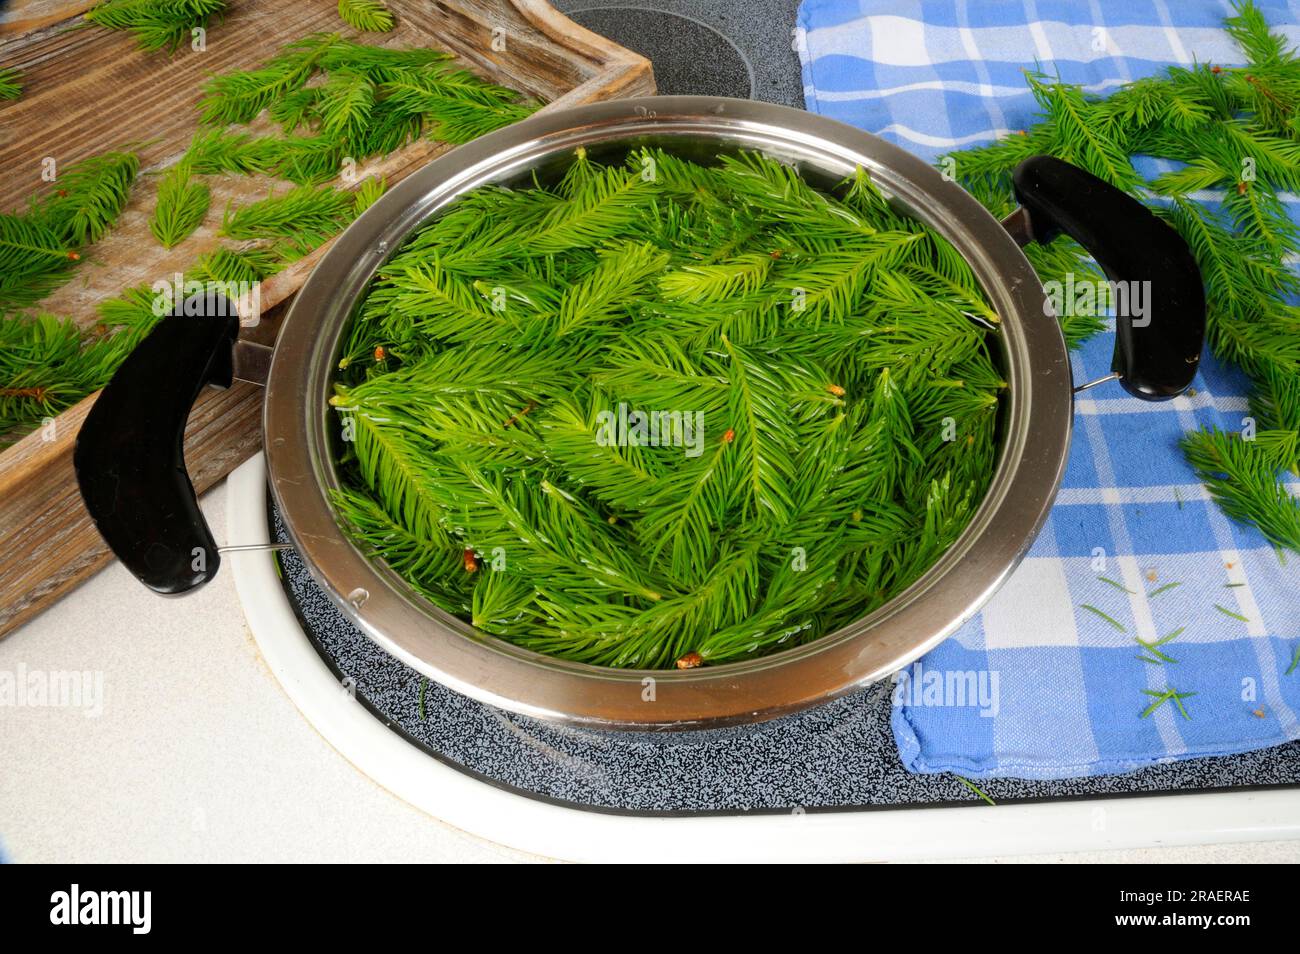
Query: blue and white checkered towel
x,y
1037,685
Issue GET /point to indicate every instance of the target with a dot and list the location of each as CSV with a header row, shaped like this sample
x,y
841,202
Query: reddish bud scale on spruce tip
x,y
514,418
36,394
729,436
471,561
380,353
691,660
835,389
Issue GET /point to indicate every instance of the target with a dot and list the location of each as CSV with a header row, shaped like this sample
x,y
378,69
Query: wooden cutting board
x,y
88,90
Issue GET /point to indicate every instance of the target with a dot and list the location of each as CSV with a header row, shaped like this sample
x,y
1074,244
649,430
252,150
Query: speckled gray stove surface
x,y
736,48
838,756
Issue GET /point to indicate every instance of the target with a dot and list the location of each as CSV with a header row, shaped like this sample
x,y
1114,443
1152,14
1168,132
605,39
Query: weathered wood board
x,y
88,90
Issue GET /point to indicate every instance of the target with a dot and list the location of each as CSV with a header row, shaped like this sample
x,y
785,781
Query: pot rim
x,y
1037,424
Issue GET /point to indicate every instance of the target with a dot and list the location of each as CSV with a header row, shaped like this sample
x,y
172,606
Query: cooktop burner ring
x,y
690,56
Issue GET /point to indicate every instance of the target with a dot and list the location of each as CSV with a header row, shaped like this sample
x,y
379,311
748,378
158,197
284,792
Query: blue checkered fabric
x,y
1041,684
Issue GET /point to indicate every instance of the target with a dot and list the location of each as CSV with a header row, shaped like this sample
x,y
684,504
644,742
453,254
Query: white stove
x,y
549,827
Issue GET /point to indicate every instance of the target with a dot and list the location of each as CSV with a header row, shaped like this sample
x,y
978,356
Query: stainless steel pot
x,y
153,523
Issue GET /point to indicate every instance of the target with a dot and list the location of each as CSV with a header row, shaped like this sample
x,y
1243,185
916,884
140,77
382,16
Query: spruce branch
x,y
1251,32
156,24
605,291
238,96
88,196
11,83
34,258
717,282
305,214
428,563
611,202
237,266
368,193
1078,136
47,365
369,16
1241,476
39,247
344,103
180,207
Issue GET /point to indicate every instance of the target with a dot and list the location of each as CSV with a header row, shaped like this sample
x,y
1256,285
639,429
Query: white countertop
x,y
199,755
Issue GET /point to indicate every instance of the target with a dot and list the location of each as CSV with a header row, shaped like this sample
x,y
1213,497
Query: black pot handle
x,y
130,458
1157,354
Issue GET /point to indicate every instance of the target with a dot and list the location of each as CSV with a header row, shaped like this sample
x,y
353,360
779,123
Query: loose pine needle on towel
x,y
1167,695
1106,616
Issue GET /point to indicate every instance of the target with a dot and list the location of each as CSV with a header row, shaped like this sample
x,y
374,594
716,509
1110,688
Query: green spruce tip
x,y
180,206
1242,477
156,24
489,352
369,16
48,364
86,198
373,101
11,83
40,247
